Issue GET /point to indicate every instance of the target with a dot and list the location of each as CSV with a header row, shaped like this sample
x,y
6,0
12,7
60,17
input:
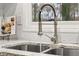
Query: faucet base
x,y
40,33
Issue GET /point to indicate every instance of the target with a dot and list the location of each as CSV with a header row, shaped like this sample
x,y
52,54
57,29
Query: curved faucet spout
x,y
55,22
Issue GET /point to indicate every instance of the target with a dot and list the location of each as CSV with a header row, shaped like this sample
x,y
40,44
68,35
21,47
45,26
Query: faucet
x,y
54,37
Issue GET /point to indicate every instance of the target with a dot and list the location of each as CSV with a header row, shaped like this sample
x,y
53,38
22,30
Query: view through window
x,y
64,12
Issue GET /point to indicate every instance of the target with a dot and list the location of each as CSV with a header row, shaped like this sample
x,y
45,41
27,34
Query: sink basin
x,y
57,51
30,47
63,52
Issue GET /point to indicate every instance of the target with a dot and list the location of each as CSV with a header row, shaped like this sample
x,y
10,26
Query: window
x,y
64,12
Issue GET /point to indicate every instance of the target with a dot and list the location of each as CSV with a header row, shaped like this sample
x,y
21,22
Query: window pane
x,y
64,12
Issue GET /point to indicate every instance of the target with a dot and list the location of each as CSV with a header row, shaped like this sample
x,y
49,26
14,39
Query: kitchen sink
x,y
40,48
45,49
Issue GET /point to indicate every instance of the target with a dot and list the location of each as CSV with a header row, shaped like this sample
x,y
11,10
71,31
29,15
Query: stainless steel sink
x,y
45,48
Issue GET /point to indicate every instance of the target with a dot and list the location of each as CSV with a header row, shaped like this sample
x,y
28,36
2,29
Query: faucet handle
x,y
47,36
52,38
